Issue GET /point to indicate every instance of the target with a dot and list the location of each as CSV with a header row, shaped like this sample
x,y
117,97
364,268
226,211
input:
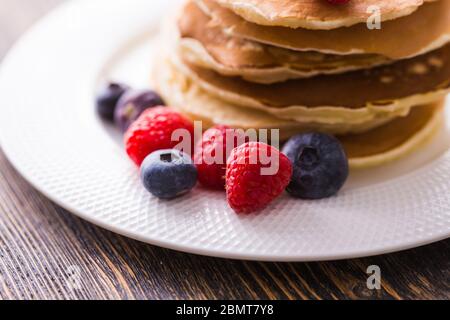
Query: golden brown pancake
x,y
385,142
389,136
186,95
395,139
425,30
317,14
204,43
377,87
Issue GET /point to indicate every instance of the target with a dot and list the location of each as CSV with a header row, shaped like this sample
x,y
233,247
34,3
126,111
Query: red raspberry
x,y
248,189
212,153
153,130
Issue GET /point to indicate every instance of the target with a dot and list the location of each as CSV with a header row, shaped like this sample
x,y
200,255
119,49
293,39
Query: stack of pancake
x,y
307,65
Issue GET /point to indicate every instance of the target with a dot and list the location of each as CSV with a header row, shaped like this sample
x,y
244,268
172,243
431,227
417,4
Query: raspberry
x,y
248,189
212,153
153,130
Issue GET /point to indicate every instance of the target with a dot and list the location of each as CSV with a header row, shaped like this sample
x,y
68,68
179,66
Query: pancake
x,y
425,30
317,14
204,43
395,139
351,97
187,96
389,141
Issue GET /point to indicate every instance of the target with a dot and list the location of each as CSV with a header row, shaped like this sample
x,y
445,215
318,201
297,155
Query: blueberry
x,y
168,174
133,104
320,165
107,99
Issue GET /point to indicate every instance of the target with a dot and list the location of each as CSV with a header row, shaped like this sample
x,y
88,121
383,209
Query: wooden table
x,y
48,253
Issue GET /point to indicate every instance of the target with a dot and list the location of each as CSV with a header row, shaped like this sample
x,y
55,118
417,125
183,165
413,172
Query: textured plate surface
x,y
51,134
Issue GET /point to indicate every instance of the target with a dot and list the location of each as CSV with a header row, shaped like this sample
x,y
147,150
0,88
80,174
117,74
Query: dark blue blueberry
x,y
133,104
107,99
320,165
168,174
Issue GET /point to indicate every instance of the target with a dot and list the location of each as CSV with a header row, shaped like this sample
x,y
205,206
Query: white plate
x,y
50,132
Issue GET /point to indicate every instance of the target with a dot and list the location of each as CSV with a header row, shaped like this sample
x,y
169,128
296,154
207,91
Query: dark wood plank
x,y
48,253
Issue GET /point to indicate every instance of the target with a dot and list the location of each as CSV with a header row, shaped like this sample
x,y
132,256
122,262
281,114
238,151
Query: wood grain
x,y
47,253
